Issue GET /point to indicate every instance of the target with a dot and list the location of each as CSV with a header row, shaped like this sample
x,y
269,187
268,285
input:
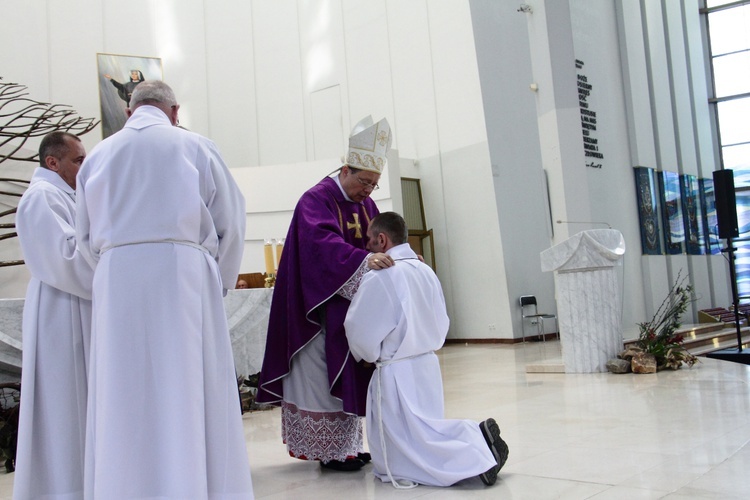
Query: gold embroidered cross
x,y
355,225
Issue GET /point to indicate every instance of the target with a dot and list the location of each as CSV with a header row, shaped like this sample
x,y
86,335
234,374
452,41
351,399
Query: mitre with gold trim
x,y
368,145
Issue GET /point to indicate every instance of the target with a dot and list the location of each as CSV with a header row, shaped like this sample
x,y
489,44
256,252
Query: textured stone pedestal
x,y
11,314
589,302
247,314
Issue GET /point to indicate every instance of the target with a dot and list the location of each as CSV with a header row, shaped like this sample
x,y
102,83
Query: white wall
x,y
517,167
279,84
597,45
231,85
414,63
669,128
650,109
270,209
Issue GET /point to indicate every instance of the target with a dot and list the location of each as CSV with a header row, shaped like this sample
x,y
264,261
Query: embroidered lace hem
x,y
323,436
350,287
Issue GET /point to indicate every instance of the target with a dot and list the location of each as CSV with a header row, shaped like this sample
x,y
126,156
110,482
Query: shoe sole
x,y
490,477
351,465
498,447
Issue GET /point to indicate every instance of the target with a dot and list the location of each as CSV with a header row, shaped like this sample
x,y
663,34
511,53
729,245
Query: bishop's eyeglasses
x,y
366,184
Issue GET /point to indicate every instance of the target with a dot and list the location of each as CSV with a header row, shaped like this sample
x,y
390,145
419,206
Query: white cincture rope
x,y
178,242
379,364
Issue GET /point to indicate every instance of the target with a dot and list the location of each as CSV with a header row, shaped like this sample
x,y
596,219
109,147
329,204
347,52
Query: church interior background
x,y
524,123
519,134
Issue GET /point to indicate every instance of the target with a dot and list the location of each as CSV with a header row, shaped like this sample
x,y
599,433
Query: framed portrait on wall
x,y
645,189
118,76
671,209
695,243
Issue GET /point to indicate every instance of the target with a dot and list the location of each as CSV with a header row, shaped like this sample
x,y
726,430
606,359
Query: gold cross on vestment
x,y
355,225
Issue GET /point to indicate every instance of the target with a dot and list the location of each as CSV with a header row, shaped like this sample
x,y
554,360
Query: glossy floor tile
x,y
675,434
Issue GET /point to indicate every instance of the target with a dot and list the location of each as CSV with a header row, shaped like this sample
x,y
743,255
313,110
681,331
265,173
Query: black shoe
x,y
490,477
498,447
364,456
348,465
252,380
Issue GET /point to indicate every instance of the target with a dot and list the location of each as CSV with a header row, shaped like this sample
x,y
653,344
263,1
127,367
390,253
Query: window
x,y
728,28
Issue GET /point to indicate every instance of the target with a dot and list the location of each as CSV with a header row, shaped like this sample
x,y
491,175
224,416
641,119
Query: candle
x,y
268,253
279,248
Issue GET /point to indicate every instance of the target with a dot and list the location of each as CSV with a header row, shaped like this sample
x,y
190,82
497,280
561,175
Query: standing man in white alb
x,y
56,328
397,320
163,223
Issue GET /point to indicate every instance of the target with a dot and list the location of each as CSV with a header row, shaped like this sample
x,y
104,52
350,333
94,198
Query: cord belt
x,y
177,242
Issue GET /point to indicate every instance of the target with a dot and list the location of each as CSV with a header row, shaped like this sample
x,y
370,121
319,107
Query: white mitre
x,y
368,145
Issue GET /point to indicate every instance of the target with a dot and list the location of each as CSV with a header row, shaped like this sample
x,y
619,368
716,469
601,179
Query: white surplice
x,y
56,332
397,319
162,220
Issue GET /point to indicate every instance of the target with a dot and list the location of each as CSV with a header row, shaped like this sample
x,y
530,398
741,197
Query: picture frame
x,y
671,210
117,76
695,242
645,187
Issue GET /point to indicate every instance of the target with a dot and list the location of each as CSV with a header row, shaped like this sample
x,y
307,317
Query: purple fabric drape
x,y
324,248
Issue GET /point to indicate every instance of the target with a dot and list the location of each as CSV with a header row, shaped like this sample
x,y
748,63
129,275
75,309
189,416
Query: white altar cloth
x,y
247,315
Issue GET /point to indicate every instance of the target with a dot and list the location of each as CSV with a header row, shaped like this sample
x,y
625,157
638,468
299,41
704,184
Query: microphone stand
x,y
590,222
735,294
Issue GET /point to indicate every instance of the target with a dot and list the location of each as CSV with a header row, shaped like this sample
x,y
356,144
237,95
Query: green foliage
x,y
659,336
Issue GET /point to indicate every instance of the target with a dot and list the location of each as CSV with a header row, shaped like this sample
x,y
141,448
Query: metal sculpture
x,y
22,118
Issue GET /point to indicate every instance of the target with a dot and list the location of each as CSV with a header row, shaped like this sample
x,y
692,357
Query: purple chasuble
x,y
324,248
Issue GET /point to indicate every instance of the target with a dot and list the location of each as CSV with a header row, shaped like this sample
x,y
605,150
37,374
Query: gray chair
x,y
530,312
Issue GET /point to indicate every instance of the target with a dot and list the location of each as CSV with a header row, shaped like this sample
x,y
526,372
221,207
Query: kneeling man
x,y
397,319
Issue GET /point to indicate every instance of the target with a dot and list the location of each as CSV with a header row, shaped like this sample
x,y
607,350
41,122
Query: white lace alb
x,y
323,436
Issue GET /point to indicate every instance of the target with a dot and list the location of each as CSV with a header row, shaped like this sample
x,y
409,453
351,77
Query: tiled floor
x,y
675,435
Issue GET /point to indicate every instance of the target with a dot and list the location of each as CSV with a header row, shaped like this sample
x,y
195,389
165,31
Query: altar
x,y
247,316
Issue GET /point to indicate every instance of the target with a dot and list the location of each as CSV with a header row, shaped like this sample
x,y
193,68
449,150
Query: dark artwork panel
x,y
118,76
671,209
693,216
742,254
647,211
710,221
